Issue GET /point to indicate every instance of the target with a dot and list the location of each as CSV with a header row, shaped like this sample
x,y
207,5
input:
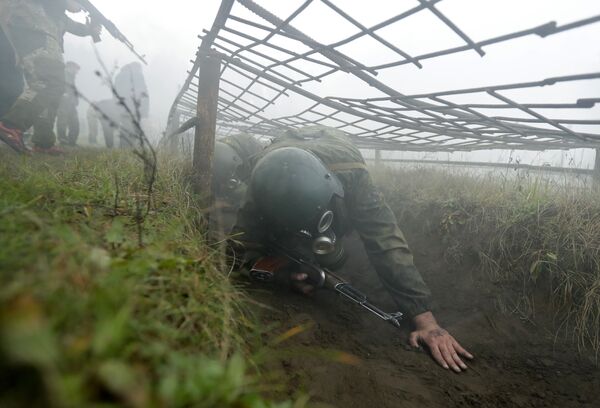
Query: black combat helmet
x,y
225,164
294,189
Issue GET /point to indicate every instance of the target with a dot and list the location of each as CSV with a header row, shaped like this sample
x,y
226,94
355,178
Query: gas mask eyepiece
x,y
232,184
325,221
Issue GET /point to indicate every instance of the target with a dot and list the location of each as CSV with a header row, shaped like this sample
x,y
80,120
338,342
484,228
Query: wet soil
x,y
518,363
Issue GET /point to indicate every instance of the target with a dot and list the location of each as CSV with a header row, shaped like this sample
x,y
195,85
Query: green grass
x,y
88,317
535,237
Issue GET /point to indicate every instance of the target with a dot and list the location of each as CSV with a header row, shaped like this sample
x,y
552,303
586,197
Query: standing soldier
x,y
35,28
307,191
67,121
132,96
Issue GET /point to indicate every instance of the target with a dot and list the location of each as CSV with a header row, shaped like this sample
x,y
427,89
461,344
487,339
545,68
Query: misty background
x,y
166,33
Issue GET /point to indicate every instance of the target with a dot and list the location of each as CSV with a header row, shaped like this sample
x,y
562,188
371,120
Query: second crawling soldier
x,y
232,165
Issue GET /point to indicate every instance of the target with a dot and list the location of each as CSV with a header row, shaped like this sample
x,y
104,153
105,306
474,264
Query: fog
x,y
166,33
135,279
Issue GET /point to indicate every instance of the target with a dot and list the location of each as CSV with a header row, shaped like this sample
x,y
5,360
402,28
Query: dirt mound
x,y
517,363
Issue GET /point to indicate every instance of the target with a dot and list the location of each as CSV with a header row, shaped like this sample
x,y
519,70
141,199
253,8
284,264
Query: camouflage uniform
x,y
36,28
367,213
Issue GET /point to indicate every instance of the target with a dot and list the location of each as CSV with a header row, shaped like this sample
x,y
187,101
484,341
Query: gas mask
x,y
298,195
326,239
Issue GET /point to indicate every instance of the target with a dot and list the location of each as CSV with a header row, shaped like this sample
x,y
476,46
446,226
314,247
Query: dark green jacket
x,y
368,214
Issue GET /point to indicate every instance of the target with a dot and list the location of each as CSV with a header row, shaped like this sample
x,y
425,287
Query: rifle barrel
x,y
95,14
330,280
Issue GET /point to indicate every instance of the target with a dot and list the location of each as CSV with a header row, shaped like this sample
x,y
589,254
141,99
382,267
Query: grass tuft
x,y
89,317
538,238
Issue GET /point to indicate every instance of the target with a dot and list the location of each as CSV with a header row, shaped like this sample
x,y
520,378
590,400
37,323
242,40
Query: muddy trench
x,y
518,363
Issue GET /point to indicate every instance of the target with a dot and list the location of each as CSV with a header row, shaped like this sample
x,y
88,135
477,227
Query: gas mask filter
x,y
327,248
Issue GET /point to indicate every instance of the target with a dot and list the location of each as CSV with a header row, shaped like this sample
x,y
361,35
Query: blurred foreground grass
x,y
536,237
90,318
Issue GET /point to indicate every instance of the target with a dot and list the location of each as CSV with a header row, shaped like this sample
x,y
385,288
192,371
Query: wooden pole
x,y
597,169
204,138
172,142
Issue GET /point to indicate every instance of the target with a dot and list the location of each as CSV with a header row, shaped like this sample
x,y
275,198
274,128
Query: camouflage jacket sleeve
x,y
385,245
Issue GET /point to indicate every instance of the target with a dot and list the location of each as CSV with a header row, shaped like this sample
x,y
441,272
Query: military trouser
x,y
42,63
92,122
128,132
109,133
99,114
67,124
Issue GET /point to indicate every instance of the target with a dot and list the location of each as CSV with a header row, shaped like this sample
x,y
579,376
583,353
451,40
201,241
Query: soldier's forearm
x,y
387,248
406,288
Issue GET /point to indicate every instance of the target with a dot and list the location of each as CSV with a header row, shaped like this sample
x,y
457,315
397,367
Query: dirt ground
x,y
518,364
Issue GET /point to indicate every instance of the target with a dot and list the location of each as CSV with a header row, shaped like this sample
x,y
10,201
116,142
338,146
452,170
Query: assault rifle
x,y
97,18
265,268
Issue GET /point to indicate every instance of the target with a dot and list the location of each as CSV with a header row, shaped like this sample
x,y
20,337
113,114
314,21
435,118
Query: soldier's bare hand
x,y
444,349
299,283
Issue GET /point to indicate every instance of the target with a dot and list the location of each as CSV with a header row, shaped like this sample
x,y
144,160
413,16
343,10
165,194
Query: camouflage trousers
x,y
37,106
67,123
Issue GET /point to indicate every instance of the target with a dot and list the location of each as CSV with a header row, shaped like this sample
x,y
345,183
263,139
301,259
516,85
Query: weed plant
x,y
88,317
532,235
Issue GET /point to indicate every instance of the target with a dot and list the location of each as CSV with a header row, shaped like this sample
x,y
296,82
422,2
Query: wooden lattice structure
x,y
256,60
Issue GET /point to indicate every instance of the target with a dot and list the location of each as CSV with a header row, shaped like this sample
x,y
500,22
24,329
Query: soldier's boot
x,y
13,137
44,138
